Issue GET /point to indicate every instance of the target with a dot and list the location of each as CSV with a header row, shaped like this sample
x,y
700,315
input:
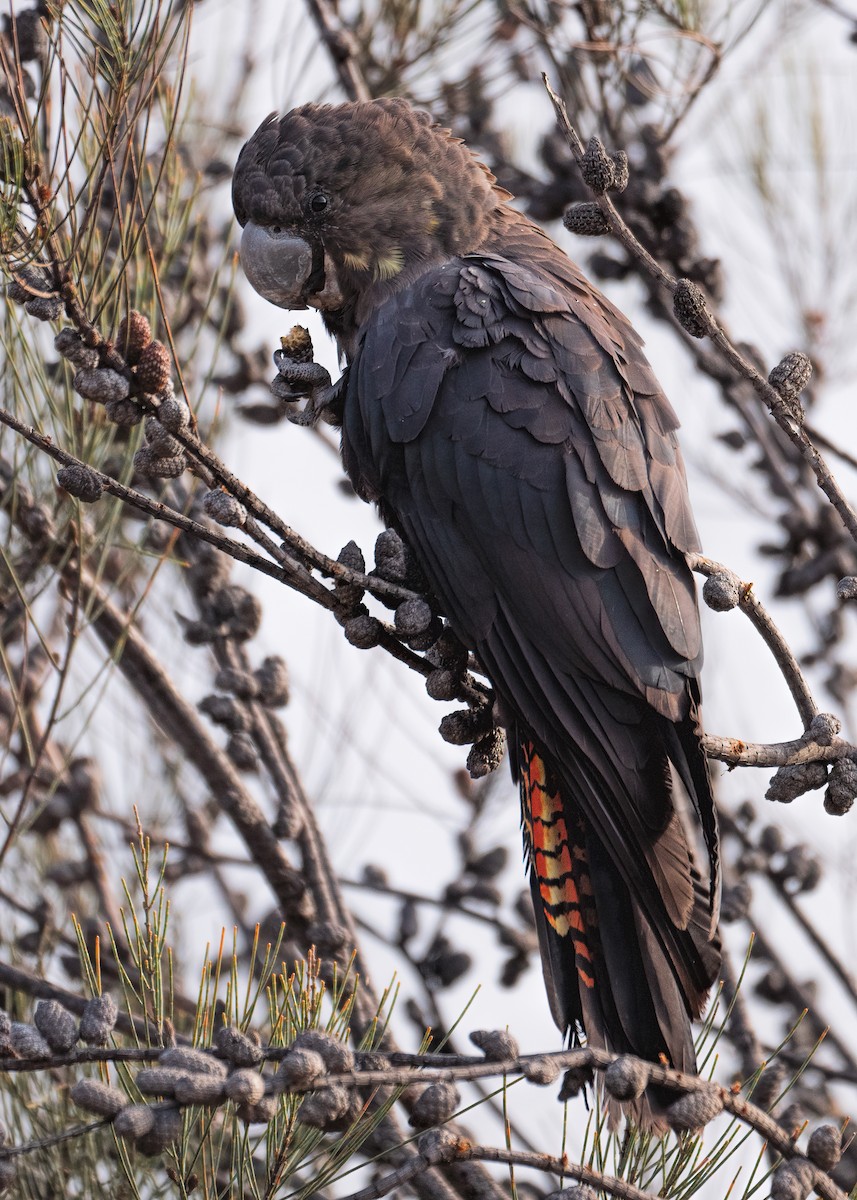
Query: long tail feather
x,y
610,972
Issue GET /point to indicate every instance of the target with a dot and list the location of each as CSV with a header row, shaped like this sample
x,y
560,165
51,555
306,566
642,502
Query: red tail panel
x,y
558,859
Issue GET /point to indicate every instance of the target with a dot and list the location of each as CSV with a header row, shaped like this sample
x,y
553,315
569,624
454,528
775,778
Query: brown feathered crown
x,y
364,160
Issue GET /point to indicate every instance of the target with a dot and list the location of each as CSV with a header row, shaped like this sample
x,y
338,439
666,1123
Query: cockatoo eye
x,y
318,203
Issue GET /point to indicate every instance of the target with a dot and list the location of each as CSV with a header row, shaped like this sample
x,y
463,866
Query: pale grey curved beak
x,y
286,270
278,265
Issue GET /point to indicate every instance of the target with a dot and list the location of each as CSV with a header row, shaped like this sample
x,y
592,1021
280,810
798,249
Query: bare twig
x,y
286,569
736,753
53,1139
337,42
772,637
782,413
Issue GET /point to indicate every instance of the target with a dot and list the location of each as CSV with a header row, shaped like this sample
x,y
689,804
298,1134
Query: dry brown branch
x,y
337,42
447,1147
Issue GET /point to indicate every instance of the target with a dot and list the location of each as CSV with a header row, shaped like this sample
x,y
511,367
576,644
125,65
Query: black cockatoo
x,y
501,413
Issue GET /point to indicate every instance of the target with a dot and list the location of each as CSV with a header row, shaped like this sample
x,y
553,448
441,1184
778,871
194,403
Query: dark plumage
x,y
501,413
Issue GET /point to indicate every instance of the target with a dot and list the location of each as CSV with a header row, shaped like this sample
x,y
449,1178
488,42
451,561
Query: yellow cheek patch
x,y
390,264
357,262
384,266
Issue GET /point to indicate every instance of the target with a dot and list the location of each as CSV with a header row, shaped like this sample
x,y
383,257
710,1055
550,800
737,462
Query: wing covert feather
x,y
510,449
